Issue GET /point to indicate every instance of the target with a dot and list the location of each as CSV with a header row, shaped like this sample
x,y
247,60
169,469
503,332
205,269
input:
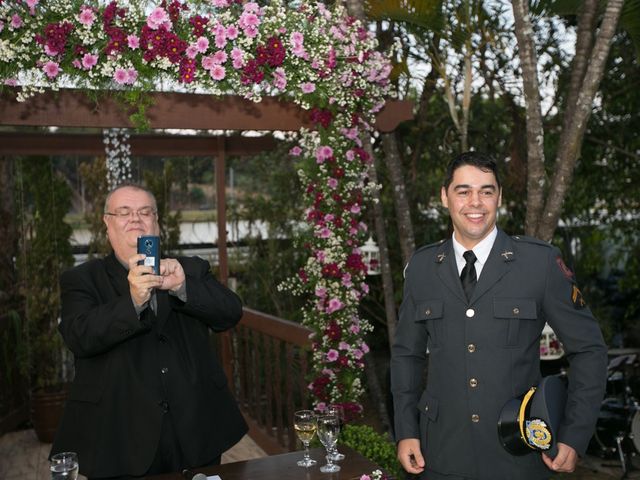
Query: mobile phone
x,y
149,245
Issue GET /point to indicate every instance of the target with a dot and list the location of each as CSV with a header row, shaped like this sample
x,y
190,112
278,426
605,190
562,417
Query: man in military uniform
x,y
476,304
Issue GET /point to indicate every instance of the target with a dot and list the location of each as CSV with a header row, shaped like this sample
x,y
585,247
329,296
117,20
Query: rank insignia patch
x,y
566,271
538,435
577,298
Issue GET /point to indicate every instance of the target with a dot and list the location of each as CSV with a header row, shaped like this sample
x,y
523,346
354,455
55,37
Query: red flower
x,y
333,331
198,22
355,263
321,117
187,70
331,270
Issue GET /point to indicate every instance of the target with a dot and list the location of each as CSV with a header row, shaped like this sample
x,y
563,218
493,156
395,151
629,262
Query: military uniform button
x,y
470,312
516,311
475,418
471,348
164,370
427,312
426,408
473,383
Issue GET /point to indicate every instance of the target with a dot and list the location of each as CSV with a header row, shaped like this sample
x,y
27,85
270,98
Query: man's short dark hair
x,y
474,159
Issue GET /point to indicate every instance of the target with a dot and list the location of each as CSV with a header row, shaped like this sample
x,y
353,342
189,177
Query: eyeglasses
x,y
126,212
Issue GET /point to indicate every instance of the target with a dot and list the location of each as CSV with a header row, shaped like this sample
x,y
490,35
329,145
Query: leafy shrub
x,y
374,446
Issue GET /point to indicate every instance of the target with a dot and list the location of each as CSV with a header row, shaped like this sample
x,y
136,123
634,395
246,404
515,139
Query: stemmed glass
x,y
338,411
328,431
64,466
305,425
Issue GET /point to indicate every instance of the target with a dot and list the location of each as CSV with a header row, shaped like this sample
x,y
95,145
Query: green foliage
x,y
161,186
374,446
44,201
94,178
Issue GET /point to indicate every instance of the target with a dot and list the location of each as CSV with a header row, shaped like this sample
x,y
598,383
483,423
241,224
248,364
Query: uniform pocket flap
x,y
428,310
85,392
515,308
428,405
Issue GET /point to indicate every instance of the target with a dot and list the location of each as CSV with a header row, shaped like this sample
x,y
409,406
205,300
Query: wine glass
x,y
328,431
64,466
338,411
304,423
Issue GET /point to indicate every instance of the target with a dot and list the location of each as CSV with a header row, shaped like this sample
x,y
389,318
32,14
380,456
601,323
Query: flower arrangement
x,y
318,58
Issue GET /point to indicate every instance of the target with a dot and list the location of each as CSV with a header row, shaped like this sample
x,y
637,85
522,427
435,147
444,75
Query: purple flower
x,y
323,153
332,355
16,21
295,151
51,69
334,305
308,87
89,61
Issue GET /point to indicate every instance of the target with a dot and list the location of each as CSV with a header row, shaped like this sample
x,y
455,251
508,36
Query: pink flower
x,y
334,305
324,232
323,153
355,208
158,18
364,347
251,7
32,4
220,41
1,26
346,280
51,69
208,62
232,32
350,155
202,44
296,39
295,151
321,292
220,57
133,41
332,183
321,406
86,16
16,21
280,78
220,3
357,354
237,56
120,76
343,346
11,82
89,61
354,328
217,72
76,63
308,87
191,51
332,355
132,76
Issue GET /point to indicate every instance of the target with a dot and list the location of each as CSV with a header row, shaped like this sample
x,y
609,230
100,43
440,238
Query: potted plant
x,y
45,250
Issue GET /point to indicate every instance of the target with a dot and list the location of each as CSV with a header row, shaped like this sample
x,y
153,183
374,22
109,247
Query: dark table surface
x,y
283,467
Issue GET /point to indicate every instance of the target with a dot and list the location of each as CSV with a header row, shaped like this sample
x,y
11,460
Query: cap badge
x,y
538,435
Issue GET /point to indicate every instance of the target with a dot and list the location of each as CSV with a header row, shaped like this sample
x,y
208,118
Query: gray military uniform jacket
x,y
485,351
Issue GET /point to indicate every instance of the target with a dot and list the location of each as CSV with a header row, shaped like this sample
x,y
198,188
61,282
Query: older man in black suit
x,y
149,395
478,302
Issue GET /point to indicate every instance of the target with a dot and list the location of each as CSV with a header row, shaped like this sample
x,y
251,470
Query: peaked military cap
x,y
530,422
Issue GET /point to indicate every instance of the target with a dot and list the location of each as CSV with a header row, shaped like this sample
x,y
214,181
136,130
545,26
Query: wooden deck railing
x,y
269,365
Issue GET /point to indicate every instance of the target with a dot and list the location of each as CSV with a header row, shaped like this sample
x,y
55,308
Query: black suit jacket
x,y
130,371
485,351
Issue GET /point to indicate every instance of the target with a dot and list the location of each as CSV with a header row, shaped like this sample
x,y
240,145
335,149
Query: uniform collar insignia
x,y
507,255
440,257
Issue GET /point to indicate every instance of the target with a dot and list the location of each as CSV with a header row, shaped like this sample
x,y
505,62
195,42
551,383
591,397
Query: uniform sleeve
x,y
567,313
408,358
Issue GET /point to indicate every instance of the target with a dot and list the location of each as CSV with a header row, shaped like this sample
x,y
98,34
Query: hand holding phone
x,y
149,245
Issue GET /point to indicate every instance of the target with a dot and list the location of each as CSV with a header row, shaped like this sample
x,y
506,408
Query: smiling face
x,y
473,198
123,231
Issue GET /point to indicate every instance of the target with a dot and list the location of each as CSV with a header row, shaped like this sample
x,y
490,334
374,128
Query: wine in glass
x,y
337,410
328,431
64,466
304,423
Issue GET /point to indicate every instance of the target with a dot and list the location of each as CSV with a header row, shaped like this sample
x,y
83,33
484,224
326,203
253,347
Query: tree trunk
x,y
535,132
8,233
399,192
572,137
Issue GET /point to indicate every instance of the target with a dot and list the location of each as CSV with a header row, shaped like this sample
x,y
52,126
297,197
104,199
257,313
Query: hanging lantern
x,y
371,254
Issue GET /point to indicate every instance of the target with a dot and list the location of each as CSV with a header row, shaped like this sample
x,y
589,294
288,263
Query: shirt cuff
x,y
181,293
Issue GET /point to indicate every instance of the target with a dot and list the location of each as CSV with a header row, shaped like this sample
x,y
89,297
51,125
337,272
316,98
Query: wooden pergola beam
x,y
72,108
33,143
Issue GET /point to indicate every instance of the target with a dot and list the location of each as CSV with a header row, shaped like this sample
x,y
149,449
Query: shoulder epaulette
x,y
533,240
431,245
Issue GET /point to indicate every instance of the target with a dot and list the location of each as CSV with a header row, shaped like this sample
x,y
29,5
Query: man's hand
x,y
410,456
141,280
172,274
565,460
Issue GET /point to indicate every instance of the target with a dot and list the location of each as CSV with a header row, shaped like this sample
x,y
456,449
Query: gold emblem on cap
x,y
538,434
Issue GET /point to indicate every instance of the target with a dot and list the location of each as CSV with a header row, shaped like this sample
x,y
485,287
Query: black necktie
x,y
468,275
